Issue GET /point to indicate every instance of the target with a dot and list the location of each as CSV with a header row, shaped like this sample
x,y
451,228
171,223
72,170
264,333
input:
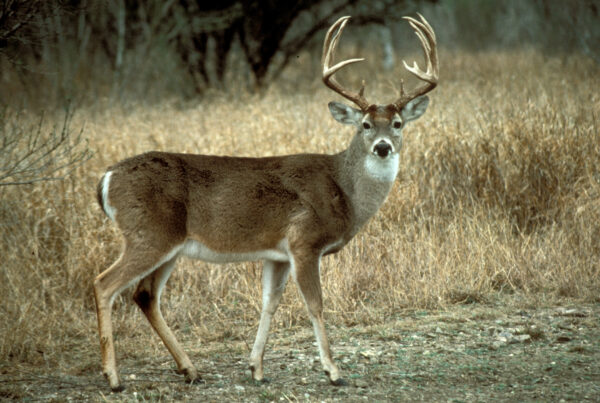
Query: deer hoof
x,y
117,389
339,382
196,381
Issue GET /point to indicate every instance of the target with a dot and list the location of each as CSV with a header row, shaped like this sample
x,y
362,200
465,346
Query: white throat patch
x,y
383,170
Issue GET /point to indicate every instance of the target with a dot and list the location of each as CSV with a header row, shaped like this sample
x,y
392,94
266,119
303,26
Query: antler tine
x,y
426,36
327,51
329,45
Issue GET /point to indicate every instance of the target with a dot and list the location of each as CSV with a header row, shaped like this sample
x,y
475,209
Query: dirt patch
x,y
467,353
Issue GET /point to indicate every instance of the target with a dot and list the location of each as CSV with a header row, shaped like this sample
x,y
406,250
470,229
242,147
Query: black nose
x,y
382,149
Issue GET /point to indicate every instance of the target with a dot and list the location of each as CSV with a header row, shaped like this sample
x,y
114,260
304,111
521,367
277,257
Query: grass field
x,y
496,209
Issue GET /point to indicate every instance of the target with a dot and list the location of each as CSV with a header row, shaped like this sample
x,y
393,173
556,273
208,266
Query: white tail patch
x,y
110,210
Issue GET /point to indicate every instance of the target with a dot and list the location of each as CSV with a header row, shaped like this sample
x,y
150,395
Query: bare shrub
x,y
28,154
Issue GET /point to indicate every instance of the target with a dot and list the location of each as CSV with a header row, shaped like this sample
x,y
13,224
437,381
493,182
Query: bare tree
x,y
15,17
270,36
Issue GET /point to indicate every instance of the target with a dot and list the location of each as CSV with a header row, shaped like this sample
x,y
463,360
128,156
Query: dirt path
x,y
468,353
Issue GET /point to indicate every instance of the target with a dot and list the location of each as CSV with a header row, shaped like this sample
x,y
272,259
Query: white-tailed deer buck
x,y
288,211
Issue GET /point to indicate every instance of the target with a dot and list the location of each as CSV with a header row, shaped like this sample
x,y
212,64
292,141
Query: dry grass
x,y
499,193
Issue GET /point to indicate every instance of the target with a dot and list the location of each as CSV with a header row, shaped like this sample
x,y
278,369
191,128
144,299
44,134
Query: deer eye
x,y
397,124
366,125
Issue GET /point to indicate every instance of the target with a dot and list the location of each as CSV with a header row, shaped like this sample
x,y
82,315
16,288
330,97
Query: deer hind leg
x,y
305,269
147,297
130,267
274,278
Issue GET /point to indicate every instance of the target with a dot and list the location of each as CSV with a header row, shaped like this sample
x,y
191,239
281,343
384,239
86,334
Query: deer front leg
x,y
274,278
306,272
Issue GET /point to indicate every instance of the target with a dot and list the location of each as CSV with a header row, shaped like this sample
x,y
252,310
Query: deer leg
x,y
274,278
305,269
130,267
147,297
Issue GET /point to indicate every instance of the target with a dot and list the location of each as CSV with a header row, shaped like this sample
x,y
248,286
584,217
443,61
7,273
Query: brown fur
x,y
230,204
383,113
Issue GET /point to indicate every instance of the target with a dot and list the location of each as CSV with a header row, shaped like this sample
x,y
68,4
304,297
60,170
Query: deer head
x,y
380,126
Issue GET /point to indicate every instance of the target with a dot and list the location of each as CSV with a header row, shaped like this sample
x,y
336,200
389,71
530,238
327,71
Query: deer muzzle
x,y
382,149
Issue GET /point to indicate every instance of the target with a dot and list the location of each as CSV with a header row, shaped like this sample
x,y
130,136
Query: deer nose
x,y
383,149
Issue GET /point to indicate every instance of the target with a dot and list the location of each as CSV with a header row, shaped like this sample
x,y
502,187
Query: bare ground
x,y
466,353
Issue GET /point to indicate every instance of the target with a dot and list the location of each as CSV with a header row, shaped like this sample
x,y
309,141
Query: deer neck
x,y
366,180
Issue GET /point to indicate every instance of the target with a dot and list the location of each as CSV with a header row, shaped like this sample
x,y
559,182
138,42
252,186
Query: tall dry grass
x,y
499,193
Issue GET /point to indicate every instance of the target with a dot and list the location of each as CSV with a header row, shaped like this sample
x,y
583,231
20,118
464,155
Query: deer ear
x,y
345,114
415,108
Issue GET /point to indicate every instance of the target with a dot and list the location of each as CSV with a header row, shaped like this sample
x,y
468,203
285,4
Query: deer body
x,y
287,211
235,207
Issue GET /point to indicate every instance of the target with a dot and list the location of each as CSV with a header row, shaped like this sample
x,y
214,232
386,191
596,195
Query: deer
x,y
286,211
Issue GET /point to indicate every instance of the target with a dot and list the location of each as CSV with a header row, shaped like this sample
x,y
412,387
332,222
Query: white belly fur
x,y
197,250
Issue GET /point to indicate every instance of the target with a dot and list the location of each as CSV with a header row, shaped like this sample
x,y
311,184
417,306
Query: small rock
x,y
563,339
361,383
496,345
239,388
576,313
505,337
369,354
521,338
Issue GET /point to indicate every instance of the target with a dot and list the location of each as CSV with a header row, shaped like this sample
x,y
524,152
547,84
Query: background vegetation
x,y
498,198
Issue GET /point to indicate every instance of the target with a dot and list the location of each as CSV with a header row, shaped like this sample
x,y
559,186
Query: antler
x,y
331,41
431,76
